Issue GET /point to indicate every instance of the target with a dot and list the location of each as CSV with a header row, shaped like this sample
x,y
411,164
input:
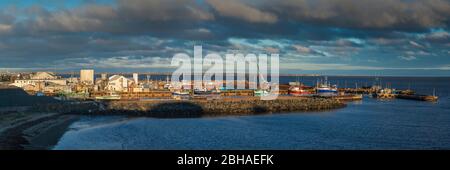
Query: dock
x,y
193,108
429,98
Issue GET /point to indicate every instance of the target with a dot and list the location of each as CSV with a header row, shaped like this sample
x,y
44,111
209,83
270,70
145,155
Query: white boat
x,y
326,89
109,97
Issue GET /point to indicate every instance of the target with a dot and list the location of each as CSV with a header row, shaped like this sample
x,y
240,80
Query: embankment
x,y
192,108
37,131
30,122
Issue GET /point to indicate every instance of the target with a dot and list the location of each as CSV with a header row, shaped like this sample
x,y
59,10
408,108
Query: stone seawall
x,y
191,108
175,109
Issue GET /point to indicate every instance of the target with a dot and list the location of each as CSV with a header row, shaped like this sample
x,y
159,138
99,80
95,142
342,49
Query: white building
x,y
104,76
136,78
40,77
43,76
118,83
87,76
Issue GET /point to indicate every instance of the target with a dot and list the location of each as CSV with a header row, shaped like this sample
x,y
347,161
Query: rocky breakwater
x,y
183,109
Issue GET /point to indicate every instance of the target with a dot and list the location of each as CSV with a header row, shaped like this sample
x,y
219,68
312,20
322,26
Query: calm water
x,y
370,124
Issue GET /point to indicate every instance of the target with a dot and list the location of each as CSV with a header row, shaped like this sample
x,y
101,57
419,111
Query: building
x,y
118,83
135,78
104,76
87,76
40,77
55,88
43,76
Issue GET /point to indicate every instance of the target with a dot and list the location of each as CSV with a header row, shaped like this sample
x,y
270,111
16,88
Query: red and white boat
x,y
299,91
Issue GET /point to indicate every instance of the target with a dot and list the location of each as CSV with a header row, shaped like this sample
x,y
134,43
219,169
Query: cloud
x,y
162,10
239,10
310,19
126,17
307,50
327,66
349,32
4,28
438,35
272,50
415,44
380,14
137,62
302,49
408,58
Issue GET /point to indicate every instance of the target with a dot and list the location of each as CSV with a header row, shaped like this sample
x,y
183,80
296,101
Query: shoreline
x,y
39,132
35,124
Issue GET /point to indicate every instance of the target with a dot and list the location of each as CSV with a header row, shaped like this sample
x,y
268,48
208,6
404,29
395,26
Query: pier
x,y
193,108
202,108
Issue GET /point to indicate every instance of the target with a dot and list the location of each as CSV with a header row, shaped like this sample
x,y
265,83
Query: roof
x,y
116,77
43,75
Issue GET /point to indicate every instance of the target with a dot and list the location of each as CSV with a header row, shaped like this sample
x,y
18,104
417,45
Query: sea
x,y
367,124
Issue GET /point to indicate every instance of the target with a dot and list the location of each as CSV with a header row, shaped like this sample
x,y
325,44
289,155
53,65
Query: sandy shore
x,y
33,131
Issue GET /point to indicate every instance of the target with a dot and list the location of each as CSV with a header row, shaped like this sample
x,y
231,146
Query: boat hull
x,y
108,98
300,93
418,97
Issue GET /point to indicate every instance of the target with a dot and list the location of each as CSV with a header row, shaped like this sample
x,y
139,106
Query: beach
x,y
21,128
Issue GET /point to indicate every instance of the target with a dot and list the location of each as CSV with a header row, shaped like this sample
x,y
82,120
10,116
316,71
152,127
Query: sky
x,y
334,37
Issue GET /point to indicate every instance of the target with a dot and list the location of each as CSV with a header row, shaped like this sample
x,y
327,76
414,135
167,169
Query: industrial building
x,y
87,76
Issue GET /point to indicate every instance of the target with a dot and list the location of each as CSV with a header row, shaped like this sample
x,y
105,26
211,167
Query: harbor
x,y
298,98
102,88
369,123
224,84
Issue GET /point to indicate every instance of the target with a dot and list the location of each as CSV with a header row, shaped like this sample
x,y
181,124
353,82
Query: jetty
x,y
194,108
417,97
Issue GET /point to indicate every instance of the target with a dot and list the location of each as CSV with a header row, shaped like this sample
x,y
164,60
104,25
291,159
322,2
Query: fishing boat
x,y
299,90
385,93
202,92
349,97
260,93
419,97
181,95
109,97
326,89
167,86
206,94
